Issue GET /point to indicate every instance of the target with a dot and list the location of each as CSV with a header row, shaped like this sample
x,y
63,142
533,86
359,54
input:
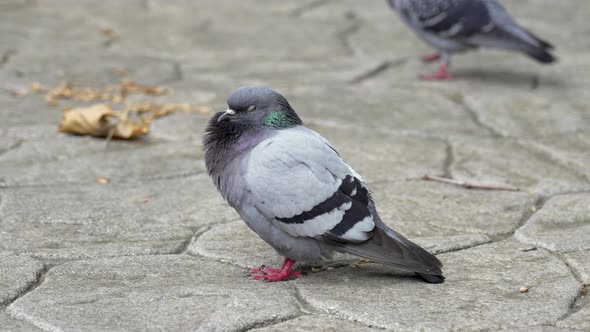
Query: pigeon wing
x,y
300,183
450,18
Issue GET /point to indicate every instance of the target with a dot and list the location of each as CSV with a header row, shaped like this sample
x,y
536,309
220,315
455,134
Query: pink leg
x,y
431,58
440,75
281,274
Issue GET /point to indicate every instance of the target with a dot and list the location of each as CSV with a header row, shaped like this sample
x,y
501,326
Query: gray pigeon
x,y
294,190
453,26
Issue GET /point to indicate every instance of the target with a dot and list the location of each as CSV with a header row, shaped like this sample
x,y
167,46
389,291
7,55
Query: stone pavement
x,y
158,249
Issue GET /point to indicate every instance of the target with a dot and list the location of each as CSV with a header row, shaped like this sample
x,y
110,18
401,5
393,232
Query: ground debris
x,y
115,93
101,120
469,185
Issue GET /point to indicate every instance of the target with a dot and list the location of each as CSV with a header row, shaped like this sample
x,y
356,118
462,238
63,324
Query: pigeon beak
x,y
225,115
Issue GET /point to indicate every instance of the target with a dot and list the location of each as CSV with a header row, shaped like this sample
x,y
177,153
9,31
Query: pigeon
x,y
453,26
294,190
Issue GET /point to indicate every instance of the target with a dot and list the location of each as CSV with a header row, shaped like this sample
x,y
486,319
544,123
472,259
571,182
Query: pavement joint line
x,y
118,182
544,154
193,239
39,279
572,307
307,7
473,114
344,35
16,145
6,56
378,70
268,323
449,160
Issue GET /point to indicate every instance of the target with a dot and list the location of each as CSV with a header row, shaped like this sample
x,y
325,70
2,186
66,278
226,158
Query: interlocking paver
x,y
157,248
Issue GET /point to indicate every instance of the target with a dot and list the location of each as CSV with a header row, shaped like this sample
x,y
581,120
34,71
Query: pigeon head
x,y
253,113
254,107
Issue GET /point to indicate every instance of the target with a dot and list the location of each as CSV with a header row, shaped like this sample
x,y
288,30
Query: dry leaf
x,y
101,121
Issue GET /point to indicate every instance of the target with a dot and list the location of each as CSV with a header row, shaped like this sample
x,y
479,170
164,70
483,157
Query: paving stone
x,y
580,262
531,114
383,156
579,317
567,149
428,209
17,274
235,243
505,161
153,293
482,284
13,325
580,320
71,221
424,112
562,225
316,323
350,70
141,162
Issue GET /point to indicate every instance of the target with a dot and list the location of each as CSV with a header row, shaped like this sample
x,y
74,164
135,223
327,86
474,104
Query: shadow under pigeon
x,y
508,78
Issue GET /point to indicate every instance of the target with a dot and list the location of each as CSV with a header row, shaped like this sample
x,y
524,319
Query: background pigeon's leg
x,y
431,58
442,73
271,274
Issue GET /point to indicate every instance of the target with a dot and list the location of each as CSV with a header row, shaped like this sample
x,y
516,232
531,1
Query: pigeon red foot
x,y
270,274
431,58
441,75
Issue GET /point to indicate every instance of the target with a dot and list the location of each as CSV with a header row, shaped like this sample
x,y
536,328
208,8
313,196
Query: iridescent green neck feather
x,y
279,120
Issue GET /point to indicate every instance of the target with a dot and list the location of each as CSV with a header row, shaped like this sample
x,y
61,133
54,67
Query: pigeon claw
x,y
270,274
431,58
441,75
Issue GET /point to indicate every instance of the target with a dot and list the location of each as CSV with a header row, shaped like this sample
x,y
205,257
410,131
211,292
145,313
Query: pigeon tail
x,y
391,248
540,51
541,55
432,278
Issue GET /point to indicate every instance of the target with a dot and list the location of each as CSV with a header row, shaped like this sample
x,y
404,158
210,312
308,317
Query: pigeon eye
x,y
251,108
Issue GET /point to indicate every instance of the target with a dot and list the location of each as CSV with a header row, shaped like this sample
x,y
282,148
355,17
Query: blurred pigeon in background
x,y
453,26
294,190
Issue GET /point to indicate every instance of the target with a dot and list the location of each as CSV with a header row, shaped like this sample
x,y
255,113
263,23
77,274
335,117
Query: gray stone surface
x,y
8,323
580,314
482,284
153,293
511,162
562,225
17,274
94,220
316,323
158,249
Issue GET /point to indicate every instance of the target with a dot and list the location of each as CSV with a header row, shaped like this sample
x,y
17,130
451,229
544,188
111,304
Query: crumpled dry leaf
x,y
102,121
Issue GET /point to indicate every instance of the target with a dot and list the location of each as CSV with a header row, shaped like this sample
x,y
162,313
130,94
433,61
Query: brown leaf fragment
x,y
102,180
36,87
115,93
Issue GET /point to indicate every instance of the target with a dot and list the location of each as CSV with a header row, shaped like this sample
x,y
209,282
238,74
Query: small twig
x,y
469,185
